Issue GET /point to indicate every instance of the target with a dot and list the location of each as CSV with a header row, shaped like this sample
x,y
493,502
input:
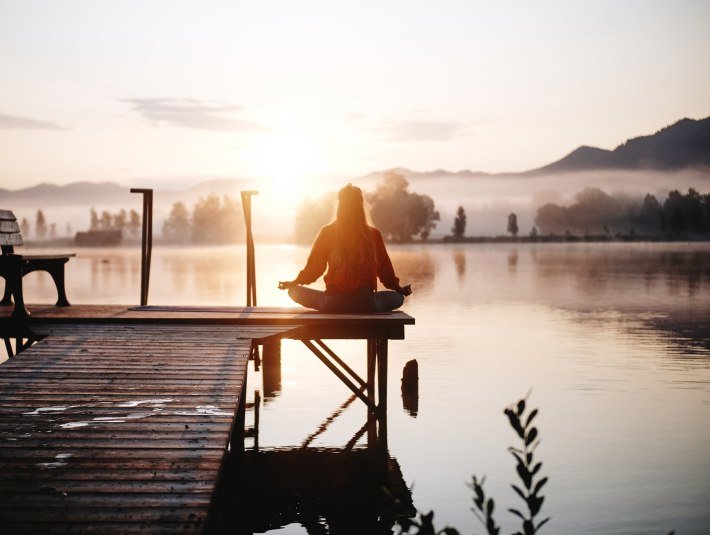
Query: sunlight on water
x,y
613,340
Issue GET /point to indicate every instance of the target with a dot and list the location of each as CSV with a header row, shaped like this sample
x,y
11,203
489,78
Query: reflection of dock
x,y
345,489
120,419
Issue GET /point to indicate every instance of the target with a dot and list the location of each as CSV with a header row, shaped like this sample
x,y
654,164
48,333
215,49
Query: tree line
x,y
595,212
43,230
400,214
212,221
122,221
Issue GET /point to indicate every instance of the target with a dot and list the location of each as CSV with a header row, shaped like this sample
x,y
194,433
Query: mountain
x,y
681,145
685,144
76,193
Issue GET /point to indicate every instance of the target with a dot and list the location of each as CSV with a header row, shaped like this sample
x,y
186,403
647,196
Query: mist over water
x,y
487,199
613,340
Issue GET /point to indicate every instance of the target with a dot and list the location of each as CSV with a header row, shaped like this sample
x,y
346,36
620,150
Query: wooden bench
x,y
15,266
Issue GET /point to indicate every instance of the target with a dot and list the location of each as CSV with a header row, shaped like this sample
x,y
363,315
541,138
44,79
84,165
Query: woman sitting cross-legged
x,y
354,254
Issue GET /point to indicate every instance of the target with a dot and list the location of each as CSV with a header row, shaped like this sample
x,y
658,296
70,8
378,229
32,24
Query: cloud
x,y
17,122
191,113
422,130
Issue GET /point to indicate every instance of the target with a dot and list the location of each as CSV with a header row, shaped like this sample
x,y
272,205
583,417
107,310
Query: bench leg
x,y
14,282
57,274
7,297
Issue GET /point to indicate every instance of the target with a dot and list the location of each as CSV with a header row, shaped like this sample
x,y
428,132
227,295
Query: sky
x,y
286,93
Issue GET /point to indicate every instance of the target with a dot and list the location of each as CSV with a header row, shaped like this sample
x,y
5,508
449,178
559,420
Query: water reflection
x,y
459,258
612,337
337,491
325,491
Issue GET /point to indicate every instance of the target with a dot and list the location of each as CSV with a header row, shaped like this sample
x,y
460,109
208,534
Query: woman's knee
x,y
389,301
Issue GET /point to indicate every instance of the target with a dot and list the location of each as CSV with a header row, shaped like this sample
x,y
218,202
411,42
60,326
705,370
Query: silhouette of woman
x,y
355,255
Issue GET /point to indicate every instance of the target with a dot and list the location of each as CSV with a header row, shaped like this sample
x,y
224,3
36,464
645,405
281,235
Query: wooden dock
x,y
118,419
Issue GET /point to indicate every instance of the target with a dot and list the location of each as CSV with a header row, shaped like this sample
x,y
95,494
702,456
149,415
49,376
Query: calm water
x,y
613,340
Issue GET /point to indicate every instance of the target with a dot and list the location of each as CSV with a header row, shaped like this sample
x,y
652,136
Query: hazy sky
x,y
130,90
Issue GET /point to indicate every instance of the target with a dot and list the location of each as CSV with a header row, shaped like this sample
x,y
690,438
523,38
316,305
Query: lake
x,y
611,340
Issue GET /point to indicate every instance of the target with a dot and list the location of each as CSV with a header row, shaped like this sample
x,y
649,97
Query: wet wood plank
x,y
114,426
252,316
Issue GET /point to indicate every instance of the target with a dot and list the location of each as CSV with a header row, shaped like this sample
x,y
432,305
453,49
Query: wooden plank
x,y
10,239
118,424
9,227
7,215
214,316
47,256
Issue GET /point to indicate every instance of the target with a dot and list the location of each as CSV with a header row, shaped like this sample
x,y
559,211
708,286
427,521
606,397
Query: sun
x,y
285,167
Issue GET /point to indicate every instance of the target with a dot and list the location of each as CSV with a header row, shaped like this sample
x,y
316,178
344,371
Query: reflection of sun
x,y
284,166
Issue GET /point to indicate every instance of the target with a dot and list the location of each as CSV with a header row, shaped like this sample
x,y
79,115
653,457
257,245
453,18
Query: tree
x,y
94,225
25,228
134,223
68,229
533,232
40,226
216,222
52,231
459,228
106,221
177,227
120,220
311,215
400,214
513,224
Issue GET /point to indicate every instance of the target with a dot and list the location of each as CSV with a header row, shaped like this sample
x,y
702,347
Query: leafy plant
x,y
528,470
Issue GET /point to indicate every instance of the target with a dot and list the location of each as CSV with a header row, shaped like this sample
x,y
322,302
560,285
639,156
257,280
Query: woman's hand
x,y
286,285
405,290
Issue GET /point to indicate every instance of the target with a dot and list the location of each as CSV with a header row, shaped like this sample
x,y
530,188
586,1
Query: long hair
x,y
353,250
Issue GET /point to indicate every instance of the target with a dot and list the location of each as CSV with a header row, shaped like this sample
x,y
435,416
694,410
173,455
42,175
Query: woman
x,y
355,255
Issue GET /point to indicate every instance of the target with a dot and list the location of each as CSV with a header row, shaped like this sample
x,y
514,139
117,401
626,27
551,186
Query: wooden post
x,y
382,390
251,263
146,241
371,418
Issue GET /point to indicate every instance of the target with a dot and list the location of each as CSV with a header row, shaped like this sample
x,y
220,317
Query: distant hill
x,y
685,144
681,145
76,193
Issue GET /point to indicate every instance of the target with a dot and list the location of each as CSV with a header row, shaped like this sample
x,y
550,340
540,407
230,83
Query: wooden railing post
x,y
251,263
146,241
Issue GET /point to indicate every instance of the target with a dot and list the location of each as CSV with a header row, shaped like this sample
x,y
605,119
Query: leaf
x,y
532,435
529,457
491,526
515,422
517,513
524,475
548,519
539,485
528,528
449,531
536,505
536,468
531,417
491,506
521,407
519,492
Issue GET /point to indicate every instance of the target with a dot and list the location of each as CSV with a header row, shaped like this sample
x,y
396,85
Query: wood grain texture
x,y
119,428
252,316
